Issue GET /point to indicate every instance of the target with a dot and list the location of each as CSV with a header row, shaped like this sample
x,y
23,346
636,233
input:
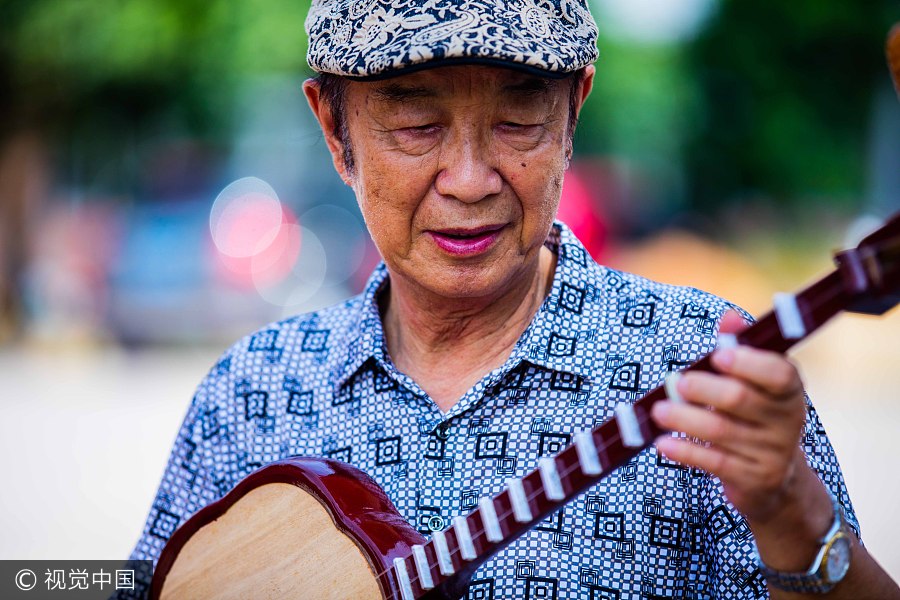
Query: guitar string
x,y
607,443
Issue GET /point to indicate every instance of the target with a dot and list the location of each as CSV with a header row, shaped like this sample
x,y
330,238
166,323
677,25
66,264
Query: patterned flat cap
x,y
374,39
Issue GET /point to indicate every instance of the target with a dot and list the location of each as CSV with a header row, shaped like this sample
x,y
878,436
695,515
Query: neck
x,y
447,344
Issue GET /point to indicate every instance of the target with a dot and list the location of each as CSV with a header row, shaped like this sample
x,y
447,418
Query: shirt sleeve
x,y
187,483
730,552
821,457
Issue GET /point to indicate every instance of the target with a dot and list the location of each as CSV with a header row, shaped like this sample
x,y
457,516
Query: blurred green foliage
x,y
787,91
770,104
70,61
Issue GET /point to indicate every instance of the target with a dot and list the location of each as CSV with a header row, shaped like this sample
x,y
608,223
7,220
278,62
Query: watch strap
x,y
811,581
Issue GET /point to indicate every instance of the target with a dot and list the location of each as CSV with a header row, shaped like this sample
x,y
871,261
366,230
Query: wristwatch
x,y
829,567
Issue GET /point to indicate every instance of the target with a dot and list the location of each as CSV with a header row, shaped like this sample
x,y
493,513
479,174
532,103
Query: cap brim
x,y
460,61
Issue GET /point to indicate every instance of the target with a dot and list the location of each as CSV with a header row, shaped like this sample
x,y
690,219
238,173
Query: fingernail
x,y
724,357
661,409
664,444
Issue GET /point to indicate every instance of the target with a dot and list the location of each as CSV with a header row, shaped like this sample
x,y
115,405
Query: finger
x,y
769,371
733,436
732,322
724,465
729,395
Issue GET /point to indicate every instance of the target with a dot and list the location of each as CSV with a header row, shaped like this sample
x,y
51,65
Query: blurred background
x,y
164,190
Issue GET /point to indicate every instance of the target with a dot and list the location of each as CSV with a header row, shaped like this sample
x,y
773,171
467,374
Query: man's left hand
x,y
745,420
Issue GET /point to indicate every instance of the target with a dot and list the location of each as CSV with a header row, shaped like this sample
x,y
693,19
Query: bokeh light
x,y
343,237
245,218
302,281
257,238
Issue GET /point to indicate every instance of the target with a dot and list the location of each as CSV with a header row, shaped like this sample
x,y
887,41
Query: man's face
x,y
458,172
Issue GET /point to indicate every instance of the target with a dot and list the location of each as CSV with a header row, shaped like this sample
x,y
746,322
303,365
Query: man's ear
x,y
581,95
325,117
587,84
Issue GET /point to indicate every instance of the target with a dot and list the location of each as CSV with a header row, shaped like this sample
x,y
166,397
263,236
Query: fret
x,y
422,567
445,562
629,428
553,488
406,592
727,340
671,386
521,509
790,319
489,518
464,538
588,457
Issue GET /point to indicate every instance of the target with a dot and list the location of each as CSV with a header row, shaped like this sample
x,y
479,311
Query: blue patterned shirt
x,y
323,384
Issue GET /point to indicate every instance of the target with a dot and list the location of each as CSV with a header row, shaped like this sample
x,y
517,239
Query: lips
x,y
466,241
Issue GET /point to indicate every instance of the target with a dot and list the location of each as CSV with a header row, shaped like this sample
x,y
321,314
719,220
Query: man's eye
x,y
419,129
518,126
520,129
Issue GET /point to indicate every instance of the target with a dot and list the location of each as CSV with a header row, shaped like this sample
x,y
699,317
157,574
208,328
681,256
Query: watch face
x,y
838,560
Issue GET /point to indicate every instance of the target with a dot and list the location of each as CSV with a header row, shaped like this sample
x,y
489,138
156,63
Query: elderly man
x,y
488,336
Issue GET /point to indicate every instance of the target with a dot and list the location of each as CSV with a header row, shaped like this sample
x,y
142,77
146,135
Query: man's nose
x,y
468,169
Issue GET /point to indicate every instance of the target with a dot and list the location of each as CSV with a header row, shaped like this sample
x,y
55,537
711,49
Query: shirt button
x,y
436,523
443,431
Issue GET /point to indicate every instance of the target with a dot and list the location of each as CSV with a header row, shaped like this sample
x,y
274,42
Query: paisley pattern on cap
x,y
372,38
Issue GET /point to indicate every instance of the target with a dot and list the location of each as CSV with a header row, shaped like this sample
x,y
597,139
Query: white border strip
x,y
422,567
443,553
790,320
550,478
403,577
464,538
629,428
588,457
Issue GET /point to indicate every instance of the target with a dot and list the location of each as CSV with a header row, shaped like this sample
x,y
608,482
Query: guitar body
x,y
298,528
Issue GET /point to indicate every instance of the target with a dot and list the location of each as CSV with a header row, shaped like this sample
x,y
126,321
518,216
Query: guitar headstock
x,y
871,271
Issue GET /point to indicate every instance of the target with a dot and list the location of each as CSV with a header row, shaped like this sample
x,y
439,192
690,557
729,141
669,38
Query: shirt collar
x,y
552,340
364,340
557,336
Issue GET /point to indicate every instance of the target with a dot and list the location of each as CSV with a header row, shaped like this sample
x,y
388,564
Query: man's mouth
x,y
468,232
466,241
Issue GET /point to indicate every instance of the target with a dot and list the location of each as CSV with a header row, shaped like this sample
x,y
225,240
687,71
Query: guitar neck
x,y
443,566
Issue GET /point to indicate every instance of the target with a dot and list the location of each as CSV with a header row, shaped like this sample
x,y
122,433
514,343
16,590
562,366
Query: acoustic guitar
x,y
321,529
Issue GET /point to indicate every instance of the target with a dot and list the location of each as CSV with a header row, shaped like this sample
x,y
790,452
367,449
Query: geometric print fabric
x,y
322,384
